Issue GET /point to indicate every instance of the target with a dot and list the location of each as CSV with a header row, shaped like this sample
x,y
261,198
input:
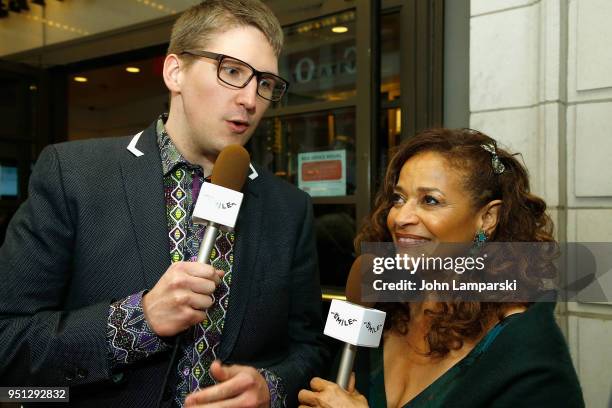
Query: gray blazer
x,y
94,230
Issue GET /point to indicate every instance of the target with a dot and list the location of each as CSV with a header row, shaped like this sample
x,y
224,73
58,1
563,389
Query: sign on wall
x,y
322,173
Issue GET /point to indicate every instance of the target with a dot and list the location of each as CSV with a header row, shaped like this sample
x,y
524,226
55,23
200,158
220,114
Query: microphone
x,y
355,326
219,202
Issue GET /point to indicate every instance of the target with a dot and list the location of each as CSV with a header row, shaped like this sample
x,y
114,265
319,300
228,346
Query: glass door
x,y
22,135
310,138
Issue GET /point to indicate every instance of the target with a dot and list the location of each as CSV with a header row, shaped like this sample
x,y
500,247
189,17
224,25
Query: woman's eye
x,y
397,199
429,200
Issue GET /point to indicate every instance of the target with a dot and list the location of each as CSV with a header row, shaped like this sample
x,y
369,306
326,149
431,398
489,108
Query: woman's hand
x,y
327,394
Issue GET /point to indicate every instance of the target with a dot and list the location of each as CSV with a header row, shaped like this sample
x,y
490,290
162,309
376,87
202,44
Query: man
x,y
98,292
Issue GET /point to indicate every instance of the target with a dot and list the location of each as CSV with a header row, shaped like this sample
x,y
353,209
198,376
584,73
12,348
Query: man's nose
x,y
247,96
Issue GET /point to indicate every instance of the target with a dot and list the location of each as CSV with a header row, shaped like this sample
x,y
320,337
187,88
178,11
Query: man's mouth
x,y
237,126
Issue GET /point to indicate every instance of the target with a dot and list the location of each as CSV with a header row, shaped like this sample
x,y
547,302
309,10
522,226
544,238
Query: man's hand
x,y
180,298
239,386
327,394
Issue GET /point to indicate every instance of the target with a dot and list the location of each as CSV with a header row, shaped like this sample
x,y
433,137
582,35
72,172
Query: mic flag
x,y
219,202
355,326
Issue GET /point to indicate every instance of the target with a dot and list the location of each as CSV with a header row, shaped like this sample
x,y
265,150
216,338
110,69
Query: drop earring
x,y
479,240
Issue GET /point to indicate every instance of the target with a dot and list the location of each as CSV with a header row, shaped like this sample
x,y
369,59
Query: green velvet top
x,y
521,362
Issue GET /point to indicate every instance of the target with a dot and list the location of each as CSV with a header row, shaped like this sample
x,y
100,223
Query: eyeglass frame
x,y
255,73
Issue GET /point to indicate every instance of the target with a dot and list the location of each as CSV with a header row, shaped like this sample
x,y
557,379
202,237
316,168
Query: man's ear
x,y
172,73
490,216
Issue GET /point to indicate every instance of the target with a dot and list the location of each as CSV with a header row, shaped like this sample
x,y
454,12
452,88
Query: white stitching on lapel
x,y
254,173
132,146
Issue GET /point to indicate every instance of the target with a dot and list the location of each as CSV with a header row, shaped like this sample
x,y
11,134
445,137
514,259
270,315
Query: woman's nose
x,y
406,215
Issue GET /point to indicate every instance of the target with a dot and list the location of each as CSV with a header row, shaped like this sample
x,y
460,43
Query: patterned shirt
x,y
129,336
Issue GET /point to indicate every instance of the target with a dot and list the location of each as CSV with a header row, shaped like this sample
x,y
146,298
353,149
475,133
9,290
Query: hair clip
x,y
498,166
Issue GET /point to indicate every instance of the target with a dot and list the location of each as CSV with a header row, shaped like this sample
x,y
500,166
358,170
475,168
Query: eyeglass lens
x,y
237,74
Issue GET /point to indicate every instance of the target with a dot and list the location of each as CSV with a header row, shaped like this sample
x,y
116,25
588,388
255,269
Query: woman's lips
x,y
406,241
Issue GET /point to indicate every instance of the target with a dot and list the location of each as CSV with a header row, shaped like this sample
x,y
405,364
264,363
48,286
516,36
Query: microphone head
x,y
231,167
354,281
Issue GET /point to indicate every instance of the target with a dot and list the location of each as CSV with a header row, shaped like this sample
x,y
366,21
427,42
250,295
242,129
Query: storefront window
x,y
314,151
128,97
390,58
320,59
391,114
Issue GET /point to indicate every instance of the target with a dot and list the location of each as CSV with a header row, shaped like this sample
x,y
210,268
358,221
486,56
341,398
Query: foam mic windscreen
x,y
361,269
231,168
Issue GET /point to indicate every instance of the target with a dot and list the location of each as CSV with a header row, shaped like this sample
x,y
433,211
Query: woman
x,y
457,186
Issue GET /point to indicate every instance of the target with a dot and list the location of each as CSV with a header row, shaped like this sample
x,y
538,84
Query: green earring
x,y
479,240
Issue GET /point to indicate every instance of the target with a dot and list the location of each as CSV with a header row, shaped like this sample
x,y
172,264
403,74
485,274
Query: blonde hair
x,y
197,25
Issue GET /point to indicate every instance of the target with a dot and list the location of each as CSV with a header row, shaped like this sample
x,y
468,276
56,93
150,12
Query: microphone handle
x,y
346,365
208,242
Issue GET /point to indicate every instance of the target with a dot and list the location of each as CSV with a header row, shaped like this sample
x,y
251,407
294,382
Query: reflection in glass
x,y
320,59
390,114
389,137
278,141
124,104
390,57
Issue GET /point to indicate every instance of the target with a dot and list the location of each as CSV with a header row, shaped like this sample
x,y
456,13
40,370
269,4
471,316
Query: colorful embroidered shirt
x,y
129,336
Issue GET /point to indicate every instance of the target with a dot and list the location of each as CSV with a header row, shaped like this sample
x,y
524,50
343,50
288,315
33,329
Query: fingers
x,y
239,401
234,381
218,371
221,372
190,291
224,389
182,275
326,394
198,302
202,271
307,398
319,384
180,298
216,393
351,383
198,278
201,286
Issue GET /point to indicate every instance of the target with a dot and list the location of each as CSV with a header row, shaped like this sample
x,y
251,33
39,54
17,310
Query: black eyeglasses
x,y
237,73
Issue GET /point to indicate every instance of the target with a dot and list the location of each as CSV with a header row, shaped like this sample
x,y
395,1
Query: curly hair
x,y
452,323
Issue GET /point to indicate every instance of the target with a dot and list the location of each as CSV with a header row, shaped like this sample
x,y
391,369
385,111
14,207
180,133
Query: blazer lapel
x,y
144,188
248,234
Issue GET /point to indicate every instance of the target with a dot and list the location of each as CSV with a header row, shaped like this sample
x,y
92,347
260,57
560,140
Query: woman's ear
x,y
490,216
171,72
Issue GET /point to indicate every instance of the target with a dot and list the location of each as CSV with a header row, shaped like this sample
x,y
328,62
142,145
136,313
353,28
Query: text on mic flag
x,y
217,204
354,324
